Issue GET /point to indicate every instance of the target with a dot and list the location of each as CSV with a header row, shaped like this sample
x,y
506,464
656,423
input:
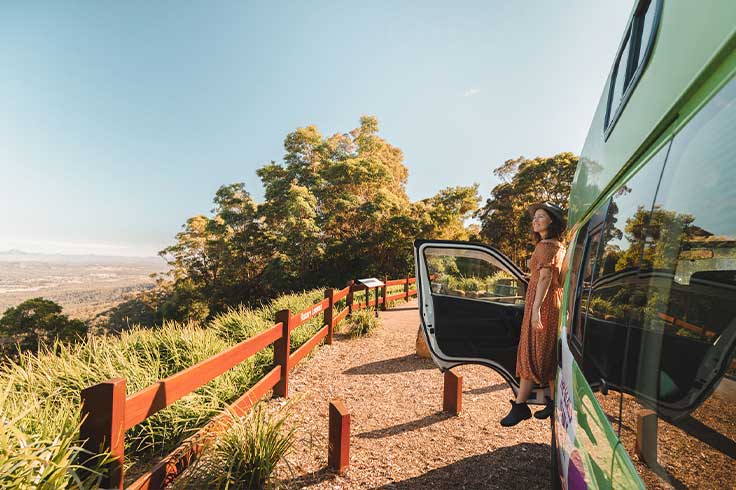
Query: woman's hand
x,y
536,319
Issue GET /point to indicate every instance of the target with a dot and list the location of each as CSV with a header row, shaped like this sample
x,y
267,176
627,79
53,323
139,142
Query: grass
x,y
42,390
246,455
363,323
39,401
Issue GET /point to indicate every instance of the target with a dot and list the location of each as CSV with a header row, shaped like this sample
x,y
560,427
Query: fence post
x,y
103,426
646,436
329,294
406,289
281,350
452,396
350,297
384,307
338,451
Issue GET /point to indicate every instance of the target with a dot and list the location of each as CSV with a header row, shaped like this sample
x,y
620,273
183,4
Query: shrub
x,y
246,455
42,399
35,461
363,322
39,321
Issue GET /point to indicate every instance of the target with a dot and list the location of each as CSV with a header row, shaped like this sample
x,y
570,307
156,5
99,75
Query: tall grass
x,y
246,455
363,323
41,401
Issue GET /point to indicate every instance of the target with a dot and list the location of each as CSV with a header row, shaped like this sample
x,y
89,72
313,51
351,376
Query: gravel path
x,y
400,439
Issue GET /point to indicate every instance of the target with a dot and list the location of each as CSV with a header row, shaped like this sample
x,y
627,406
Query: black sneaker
x,y
519,412
548,409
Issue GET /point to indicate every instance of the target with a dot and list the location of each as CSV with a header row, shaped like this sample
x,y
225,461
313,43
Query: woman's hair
x,y
554,230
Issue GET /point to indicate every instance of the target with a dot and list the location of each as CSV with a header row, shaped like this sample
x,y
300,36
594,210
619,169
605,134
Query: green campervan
x,y
646,384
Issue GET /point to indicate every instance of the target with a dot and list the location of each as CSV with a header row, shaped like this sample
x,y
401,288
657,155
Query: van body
x,y
646,382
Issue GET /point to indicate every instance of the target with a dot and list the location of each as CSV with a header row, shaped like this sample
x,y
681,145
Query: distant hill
x,y
84,285
15,255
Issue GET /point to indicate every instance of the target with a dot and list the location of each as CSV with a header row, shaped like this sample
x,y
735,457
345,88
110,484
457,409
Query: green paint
x,y
669,86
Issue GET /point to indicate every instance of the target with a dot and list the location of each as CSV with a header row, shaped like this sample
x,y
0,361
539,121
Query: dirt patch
x,y
400,439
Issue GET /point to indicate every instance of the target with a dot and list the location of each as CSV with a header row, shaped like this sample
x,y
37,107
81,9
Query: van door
x,y
471,301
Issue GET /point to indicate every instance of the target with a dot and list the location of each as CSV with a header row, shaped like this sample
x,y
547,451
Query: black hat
x,y
552,209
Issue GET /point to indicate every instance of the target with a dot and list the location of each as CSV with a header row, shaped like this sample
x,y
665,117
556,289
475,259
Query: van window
x,y
632,57
682,341
573,313
612,304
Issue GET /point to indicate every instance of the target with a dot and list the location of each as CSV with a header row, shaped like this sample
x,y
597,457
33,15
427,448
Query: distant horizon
x,y
121,120
77,250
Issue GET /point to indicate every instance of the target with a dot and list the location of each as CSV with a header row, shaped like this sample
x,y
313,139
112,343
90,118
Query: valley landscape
x,y
84,285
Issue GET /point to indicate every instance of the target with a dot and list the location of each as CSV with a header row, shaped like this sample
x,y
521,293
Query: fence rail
x,y
107,413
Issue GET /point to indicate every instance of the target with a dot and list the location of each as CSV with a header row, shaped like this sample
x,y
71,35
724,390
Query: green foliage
x,y
37,321
504,221
246,455
42,399
40,461
335,208
363,322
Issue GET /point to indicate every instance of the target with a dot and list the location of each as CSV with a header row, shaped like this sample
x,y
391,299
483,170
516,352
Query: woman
x,y
535,360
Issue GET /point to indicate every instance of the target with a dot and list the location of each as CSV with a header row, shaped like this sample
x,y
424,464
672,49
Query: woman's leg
x,y
525,389
519,409
552,389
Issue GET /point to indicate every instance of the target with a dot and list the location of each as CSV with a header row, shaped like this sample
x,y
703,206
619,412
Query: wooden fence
x,y
107,413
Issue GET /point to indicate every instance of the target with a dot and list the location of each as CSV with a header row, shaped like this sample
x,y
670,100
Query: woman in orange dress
x,y
535,360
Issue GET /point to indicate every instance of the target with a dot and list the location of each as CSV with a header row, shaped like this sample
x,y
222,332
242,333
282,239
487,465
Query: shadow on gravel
x,y
404,308
409,362
524,466
309,479
488,389
406,427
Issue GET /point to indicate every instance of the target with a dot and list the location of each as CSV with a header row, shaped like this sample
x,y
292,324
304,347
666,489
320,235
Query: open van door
x,y
471,304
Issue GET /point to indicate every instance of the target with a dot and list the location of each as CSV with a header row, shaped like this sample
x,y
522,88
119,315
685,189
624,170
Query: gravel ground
x,y
400,439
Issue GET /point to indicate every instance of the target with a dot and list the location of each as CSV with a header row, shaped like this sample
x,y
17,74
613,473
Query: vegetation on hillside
x,y
39,393
335,208
505,223
36,322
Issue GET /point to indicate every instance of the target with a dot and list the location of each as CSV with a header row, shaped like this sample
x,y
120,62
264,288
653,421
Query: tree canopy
x,y
38,321
505,223
334,208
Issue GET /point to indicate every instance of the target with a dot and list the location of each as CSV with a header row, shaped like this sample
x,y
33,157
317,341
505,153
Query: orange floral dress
x,y
535,358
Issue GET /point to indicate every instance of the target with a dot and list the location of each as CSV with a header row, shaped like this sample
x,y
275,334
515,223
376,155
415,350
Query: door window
x,y
477,304
473,275
683,331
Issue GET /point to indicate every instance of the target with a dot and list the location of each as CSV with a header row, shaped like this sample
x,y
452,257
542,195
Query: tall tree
x,y
334,208
504,221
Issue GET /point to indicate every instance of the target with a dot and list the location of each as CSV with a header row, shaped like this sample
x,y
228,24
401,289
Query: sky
x,y
119,120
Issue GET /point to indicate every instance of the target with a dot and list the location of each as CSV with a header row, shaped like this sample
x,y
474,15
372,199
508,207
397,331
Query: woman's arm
x,y
545,279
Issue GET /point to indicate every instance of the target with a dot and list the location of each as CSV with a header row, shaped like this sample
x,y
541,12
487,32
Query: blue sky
x,y
119,120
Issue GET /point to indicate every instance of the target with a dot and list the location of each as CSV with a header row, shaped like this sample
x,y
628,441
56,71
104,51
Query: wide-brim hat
x,y
551,208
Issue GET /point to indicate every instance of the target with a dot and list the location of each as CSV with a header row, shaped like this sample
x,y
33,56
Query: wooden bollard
x,y
646,437
338,452
452,397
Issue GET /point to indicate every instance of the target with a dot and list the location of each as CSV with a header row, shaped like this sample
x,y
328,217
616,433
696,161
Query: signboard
x,y
371,282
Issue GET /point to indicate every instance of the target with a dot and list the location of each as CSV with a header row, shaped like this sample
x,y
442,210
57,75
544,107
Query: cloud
x,y
471,92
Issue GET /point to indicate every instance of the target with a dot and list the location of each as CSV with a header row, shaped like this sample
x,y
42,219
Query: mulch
x,y
400,438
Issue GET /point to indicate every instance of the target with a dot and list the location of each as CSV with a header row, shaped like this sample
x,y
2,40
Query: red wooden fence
x,y
107,412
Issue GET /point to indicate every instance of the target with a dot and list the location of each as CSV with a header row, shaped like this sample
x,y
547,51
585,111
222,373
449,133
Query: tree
x,y
39,321
334,208
504,221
